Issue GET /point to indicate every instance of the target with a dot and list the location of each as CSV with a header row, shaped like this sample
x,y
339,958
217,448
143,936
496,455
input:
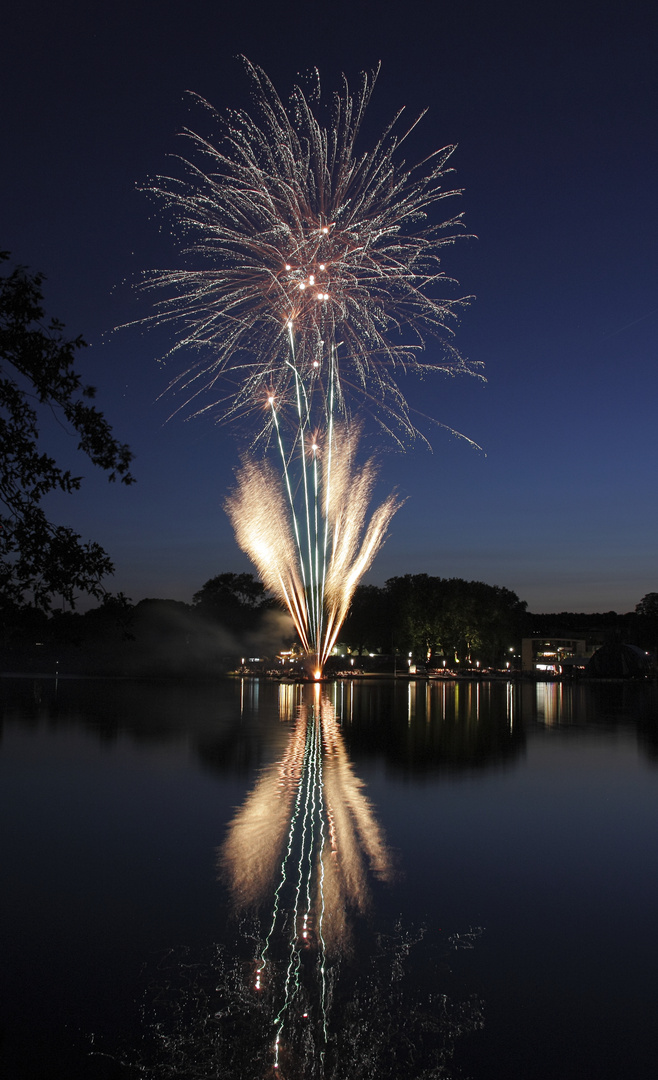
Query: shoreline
x,y
383,676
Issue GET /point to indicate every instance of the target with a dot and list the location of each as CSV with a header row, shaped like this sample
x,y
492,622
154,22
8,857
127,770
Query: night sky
x,y
555,112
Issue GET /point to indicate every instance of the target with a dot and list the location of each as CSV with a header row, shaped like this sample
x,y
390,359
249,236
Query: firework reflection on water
x,y
302,845
309,991
313,787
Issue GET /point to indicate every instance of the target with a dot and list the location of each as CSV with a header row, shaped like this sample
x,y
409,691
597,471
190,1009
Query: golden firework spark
x,y
342,542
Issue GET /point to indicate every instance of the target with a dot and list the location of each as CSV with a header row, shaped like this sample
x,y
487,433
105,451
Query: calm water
x,y
246,879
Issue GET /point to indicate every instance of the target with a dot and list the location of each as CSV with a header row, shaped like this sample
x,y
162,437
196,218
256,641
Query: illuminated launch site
x,y
314,280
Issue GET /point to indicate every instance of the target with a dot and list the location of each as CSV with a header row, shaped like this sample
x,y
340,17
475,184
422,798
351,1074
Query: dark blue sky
x,y
555,110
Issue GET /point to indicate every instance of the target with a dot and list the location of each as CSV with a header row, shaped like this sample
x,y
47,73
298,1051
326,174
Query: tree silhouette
x,y
39,559
235,600
648,606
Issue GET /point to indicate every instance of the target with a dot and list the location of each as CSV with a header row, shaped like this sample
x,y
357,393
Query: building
x,y
554,655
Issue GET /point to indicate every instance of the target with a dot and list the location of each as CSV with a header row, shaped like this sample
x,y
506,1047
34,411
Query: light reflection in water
x,y
302,987
303,844
549,702
249,694
290,695
463,701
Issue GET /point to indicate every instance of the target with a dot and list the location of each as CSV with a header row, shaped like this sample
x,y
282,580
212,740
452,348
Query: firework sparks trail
x,y
311,256
259,512
317,836
314,283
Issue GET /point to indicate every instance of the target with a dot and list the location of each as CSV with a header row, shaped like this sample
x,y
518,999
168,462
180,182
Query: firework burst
x,y
314,283
301,243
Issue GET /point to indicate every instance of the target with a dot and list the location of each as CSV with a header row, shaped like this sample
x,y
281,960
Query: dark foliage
x,y
434,617
596,628
37,558
237,601
648,606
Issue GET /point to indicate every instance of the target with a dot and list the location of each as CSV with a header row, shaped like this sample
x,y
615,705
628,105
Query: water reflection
x,y
418,727
307,820
302,845
435,727
597,704
158,769
302,994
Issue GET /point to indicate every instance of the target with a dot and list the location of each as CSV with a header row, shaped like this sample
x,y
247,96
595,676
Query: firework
x,y
305,247
314,282
311,561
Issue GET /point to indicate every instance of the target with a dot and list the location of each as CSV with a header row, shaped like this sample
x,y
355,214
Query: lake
x,y
369,879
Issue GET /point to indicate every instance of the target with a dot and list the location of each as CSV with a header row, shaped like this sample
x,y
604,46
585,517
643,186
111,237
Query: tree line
x,y
435,619
431,619
231,614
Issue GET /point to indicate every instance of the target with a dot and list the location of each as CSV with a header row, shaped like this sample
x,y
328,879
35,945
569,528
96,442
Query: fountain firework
x,y
315,282
313,567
